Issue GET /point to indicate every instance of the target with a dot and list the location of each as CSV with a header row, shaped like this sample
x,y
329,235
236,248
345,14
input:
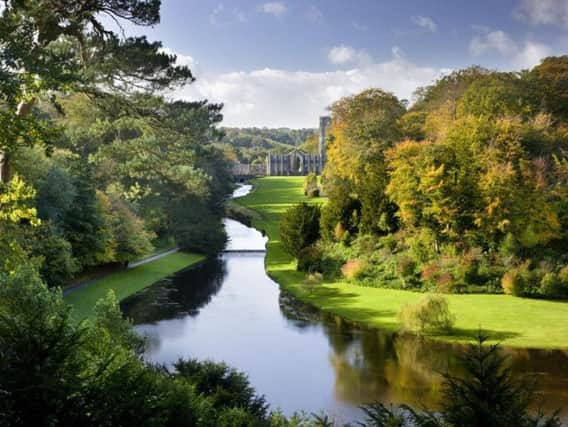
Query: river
x,y
228,309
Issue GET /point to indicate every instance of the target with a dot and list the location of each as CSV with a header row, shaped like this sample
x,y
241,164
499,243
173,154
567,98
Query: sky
x,y
282,63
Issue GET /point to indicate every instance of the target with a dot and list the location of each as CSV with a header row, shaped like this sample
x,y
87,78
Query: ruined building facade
x,y
297,162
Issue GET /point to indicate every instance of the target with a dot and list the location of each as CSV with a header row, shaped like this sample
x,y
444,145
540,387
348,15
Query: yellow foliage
x,y
16,198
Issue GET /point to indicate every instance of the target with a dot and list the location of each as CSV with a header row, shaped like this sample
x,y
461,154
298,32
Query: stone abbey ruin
x,y
298,162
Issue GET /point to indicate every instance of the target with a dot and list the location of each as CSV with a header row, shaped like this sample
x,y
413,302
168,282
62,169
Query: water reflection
x,y
168,298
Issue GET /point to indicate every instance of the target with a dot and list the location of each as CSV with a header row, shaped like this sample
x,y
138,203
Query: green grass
x,y
128,282
516,322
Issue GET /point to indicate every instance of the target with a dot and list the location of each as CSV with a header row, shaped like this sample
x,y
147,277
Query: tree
x,y
364,127
552,80
130,239
299,227
70,48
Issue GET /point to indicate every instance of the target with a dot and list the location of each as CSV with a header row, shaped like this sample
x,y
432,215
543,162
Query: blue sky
x,y
281,63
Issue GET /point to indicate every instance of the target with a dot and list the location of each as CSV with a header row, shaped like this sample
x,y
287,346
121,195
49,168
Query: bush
x,y
299,228
431,313
516,282
58,266
405,267
563,275
355,269
311,185
309,259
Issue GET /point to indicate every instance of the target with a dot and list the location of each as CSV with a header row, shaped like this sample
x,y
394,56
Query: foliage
x,y
131,240
226,387
16,199
58,265
516,282
299,227
311,188
56,372
71,48
363,127
469,182
354,269
431,314
310,259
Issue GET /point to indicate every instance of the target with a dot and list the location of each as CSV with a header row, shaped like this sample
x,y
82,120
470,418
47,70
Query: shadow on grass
x,y
333,299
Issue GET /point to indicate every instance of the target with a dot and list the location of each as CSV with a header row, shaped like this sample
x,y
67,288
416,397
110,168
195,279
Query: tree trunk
x,y
5,169
24,108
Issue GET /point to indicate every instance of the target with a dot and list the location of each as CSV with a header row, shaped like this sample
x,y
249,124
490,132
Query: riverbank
x,y
516,322
127,282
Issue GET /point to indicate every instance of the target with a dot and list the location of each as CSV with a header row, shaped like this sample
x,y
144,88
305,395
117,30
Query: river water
x,y
228,309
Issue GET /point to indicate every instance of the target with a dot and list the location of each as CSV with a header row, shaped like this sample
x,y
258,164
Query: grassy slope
x,y
513,321
127,282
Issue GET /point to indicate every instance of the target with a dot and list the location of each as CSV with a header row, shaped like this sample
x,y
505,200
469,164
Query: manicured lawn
x,y
513,321
127,282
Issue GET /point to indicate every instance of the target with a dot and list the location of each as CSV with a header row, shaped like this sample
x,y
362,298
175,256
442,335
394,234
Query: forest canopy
x,y
465,190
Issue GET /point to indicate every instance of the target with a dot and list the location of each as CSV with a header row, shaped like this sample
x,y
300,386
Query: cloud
x,y
425,22
221,16
531,54
525,56
543,12
345,55
492,41
314,15
275,8
280,98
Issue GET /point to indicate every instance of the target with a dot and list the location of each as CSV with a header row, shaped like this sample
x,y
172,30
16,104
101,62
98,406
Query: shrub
x,y
311,185
550,285
516,281
309,259
563,275
513,283
405,267
430,273
431,313
354,269
299,228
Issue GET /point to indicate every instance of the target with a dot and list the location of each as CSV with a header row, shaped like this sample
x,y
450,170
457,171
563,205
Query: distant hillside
x,y
250,145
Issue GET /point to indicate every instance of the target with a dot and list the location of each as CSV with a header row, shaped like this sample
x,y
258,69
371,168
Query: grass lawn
x,y
127,282
517,322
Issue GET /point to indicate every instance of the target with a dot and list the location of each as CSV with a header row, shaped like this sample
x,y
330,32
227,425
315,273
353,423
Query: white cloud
x,y
544,12
344,55
279,98
314,15
525,56
531,54
220,15
275,8
425,22
492,41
